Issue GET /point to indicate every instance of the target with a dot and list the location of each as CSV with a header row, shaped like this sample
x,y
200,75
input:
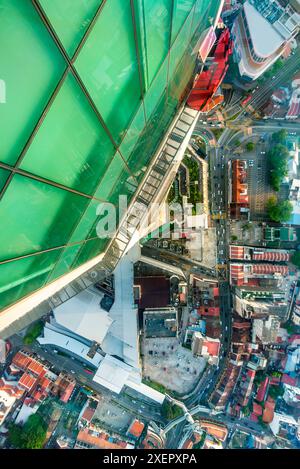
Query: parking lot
x,y
168,363
258,182
111,415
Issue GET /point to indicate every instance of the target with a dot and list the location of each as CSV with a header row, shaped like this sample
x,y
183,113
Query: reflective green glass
x,y
157,126
181,10
89,250
205,12
182,82
108,66
3,177
74,153
64,263
157,89
180,45
133,133
86,223
23,276
154,27
30,66
116,181
70,19
38,216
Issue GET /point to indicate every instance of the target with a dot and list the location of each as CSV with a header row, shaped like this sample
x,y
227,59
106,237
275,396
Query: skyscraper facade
x,y
89,88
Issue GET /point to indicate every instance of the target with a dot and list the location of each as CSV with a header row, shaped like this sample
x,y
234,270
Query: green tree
x,y
296,259
279,212
277,159
280,136
171,411
250,146
31,436
234,238
276,391
33,332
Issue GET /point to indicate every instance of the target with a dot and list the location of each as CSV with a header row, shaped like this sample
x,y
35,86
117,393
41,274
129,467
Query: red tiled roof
x,y
272,256
268,414
286,379
213,311
253,417
21,361
65,396
237,252
44,383
136,428
98,441
88,414
257,409
270,269
261,393
36,368
27,381
212,347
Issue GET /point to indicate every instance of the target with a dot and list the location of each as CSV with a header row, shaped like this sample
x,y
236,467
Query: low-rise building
x,y
206,347
136,429
9,393
238,195
265,330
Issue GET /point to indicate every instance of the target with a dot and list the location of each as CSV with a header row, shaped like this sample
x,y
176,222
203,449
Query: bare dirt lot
x,y
168,363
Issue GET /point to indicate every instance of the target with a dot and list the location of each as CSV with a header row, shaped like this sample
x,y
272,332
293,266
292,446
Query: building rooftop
x,y
266,40
83,315
136,428
155,291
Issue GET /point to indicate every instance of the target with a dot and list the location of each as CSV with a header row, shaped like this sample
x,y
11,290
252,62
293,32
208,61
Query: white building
x,y
282,420
266,330
261,33
81,322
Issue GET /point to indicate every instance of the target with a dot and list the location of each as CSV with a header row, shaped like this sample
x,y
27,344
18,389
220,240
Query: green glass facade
x,y
91,87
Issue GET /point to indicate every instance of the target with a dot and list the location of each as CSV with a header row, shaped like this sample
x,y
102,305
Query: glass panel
x,y
3,177
90,249
65,262
180,44
74,153
133,133
108,66
151,137
23,276
31,66
205,12
180,12
86,223
37,217
115,182
70,19
157,88
179,86
154,23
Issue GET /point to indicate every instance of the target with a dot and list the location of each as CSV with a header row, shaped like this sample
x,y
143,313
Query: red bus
x,y
246,100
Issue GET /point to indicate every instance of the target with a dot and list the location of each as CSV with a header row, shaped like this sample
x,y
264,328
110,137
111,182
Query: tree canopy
x,y
171,411
277,158
296,259
279,211
31,436
250,146
280,137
